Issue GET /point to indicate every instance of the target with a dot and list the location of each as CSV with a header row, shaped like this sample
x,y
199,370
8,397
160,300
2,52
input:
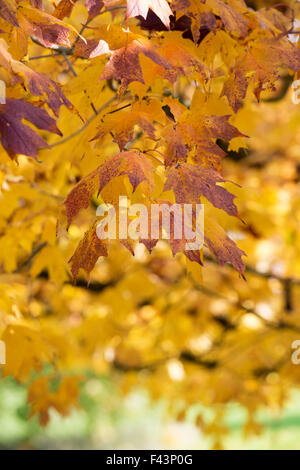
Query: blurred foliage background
x,y
106,421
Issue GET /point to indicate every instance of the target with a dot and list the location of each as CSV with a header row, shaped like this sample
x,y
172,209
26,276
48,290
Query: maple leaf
x,y
224,249
48,30
140,8
231,17
183,57
88,251
260,63
37,83
90,248
177,245
199,16
273,19
177,148
41,399
235,87
16,137
190,182
202,132
91,48
35,351
124,63
265,58
94,7
124,122
8,12
64,9
156,309
136,166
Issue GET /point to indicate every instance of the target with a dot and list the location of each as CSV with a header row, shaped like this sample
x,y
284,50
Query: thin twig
x,y
87,123
46,56
69,64
30,258
91,19
266,275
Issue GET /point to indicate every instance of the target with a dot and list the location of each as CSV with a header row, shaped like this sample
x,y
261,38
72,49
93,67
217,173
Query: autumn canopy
x,y
182,101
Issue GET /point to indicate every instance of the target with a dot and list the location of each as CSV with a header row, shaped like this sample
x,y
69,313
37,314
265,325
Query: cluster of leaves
x,y
142,99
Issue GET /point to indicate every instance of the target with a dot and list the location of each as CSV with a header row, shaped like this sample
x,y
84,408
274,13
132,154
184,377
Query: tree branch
x,y
87,123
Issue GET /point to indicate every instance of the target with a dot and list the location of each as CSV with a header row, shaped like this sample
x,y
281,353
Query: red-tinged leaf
x,y
87,252
183,60
140,8
37,4
235,88
36,83
219,128
190,182
81,195
16,137
47,29
224,249
137,167
94,7
179,245
266,57
8,12
124,63
91,48
260,63
173,226
50,35
202,132
40,85
177,149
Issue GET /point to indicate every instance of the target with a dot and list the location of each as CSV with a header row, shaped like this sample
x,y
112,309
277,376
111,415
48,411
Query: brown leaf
x,y
177,245
260,63
87,252
124,63
177,148
224,249
202,132
235,88
91,48
136,166
190,182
